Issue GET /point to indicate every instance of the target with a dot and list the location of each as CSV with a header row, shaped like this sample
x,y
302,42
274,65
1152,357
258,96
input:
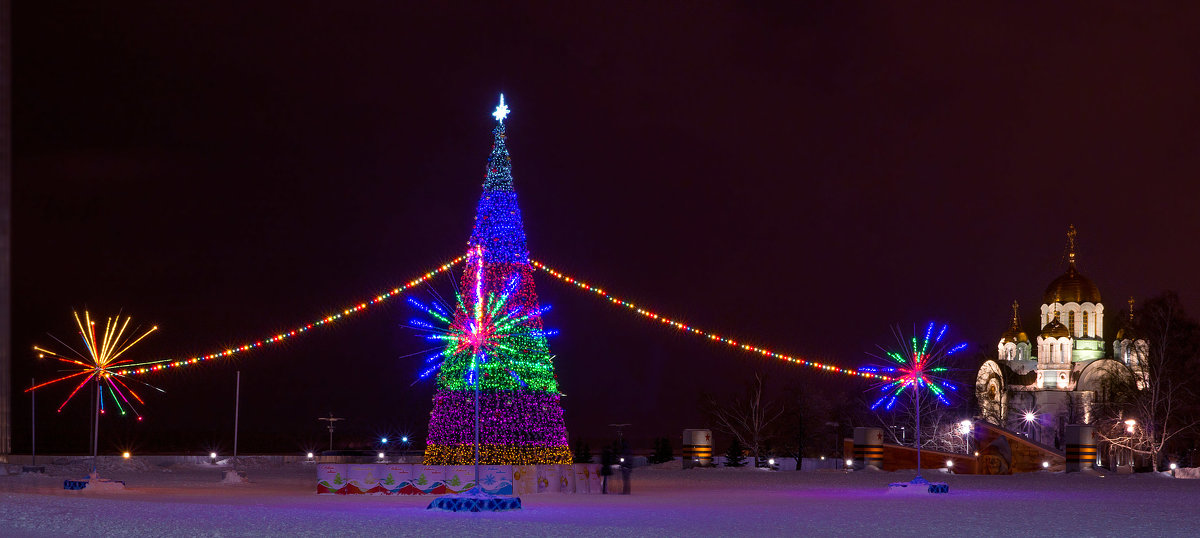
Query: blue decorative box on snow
x,y
475,502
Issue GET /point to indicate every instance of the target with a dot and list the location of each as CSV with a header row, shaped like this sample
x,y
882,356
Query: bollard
x,y
1081,447
697,448
868,447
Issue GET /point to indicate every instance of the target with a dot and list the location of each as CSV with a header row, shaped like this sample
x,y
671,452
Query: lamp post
x,y
1030,420
1130,428
330,420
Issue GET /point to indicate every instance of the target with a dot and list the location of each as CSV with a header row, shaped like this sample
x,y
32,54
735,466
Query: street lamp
x,y
964,429
330,422
1130,426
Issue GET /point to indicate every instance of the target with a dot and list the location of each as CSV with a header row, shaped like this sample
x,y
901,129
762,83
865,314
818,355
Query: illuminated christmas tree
x,y
496,347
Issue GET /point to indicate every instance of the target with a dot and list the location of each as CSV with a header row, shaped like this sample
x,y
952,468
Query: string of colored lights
x,y
648,314
346,312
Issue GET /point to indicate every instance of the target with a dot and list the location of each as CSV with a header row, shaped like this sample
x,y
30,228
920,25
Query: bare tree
x,y
940,427
748,418
1146,420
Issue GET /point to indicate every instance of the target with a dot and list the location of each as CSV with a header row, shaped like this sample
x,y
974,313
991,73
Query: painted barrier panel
x,y
330,478
458,478
415,479
549,479
566,477
360,478
524,479
593,478
398,479
429,479
583,478
496,479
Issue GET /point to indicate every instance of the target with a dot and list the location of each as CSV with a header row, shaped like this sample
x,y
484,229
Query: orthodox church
x,y
1039,386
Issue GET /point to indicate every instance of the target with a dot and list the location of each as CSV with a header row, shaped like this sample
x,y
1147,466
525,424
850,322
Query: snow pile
x,y
1187,472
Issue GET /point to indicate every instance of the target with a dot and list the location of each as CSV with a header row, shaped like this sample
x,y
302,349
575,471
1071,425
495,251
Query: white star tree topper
x,y
501,111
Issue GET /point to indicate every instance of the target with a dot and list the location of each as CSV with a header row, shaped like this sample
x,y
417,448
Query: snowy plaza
x,y
191,500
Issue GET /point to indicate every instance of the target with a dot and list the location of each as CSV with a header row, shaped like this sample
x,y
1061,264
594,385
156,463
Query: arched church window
x,y
1071,323
1085,323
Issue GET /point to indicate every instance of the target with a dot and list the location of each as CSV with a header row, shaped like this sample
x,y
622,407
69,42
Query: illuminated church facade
x,y
1039,386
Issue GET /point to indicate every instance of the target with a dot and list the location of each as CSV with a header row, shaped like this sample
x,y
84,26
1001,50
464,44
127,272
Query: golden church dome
x,y
1015,336
1055,329
1071,287
1014,333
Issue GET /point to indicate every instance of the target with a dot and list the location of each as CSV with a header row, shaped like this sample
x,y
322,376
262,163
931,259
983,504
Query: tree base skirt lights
x,y
496,455
474,501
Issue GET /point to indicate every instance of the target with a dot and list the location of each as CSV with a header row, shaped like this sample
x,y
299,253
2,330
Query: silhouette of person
x,y
606,463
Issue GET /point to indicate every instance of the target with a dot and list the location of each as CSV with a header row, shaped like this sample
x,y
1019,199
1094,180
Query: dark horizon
x,y
801,179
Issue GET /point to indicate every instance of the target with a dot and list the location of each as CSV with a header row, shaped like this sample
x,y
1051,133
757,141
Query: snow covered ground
x,y
191,500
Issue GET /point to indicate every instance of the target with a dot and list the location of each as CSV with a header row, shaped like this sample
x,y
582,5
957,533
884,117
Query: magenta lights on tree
x,y
914,366
495,352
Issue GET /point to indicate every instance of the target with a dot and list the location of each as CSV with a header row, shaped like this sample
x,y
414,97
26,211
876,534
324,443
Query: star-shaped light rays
x,y
486,326
102,358
501,111
915,365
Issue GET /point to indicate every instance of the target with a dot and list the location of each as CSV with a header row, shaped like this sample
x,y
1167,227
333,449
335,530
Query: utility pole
x,y
237,398
620,430
330,420
33,427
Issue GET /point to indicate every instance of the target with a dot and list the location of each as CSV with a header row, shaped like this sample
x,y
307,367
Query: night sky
x,y
799,178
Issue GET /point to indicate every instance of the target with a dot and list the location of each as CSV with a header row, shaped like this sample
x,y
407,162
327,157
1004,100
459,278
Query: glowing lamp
x,y
976,453
849,463
404,439
622,460
212,455
822,458
771,461
1030,417
1173,466
1045,465
949,463
125,455
310,455
381,455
